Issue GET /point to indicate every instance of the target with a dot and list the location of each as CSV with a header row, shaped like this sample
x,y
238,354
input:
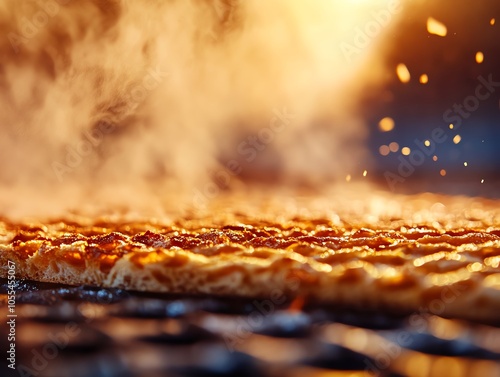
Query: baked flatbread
x,y
388,266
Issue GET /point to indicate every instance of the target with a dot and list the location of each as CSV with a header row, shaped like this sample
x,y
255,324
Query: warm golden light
x,y
457,139
451,126
424,79
465,164
365,173
406,151
386,124
403,73
435,27
442,172
492,281
492,22
427,143
479,57
348,178
434,158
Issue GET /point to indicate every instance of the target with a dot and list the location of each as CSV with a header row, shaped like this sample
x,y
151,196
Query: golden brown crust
x,y
418,268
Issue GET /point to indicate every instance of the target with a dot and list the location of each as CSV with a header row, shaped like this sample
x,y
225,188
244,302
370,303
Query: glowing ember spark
x,y
465,163
394,147
384,150
297,304
424,79
457,139
365,173
451,126
482,180
403,73
434,158
406,151
479,57
442,172
386,124
348,178
435,27
427,143
492,22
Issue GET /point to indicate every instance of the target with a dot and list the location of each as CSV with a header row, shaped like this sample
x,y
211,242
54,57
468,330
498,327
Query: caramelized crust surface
x,y
395,266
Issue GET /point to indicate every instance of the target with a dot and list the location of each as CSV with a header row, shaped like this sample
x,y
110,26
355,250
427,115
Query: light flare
x,y
403,73
479,57
386,124
436,27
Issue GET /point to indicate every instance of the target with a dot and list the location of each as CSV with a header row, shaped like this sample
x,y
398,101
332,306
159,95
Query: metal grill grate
x,y
89,332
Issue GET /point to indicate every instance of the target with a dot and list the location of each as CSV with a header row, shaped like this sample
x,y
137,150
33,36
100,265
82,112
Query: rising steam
x,y
108,102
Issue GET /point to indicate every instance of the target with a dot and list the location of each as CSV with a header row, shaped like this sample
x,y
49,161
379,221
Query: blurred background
x,y
432,113
173,103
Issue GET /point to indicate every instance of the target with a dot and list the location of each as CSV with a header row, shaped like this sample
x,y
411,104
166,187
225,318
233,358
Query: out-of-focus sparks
x,y
479,57
435,27
424,79
403,73
457,139
442,172
386,124
451,126
427,143
348,178
465,164
475,267
394,147
365,173
482,180
434,158
384,150
406,151
492,22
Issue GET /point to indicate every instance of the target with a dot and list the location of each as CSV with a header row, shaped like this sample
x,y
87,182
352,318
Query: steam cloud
x,y
112,102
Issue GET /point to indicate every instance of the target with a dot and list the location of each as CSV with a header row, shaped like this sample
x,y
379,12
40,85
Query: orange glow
x,y
479,57
457,139
394,147
434,158
384,150
406,151
424,79
442,172
435,27
386,124
403,73
297,304
492,22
